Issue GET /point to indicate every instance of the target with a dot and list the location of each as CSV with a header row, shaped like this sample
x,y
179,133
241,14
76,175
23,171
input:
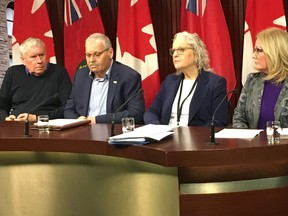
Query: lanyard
x,y
180,106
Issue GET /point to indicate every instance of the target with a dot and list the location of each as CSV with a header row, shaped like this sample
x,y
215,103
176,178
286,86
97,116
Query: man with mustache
x,y
100,89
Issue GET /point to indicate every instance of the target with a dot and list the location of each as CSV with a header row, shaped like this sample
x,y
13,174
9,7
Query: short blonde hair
x,y
198,48
274,42
30,42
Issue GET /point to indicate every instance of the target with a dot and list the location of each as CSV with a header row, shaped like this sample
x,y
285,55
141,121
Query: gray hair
x,y
30,42
198,48
99,36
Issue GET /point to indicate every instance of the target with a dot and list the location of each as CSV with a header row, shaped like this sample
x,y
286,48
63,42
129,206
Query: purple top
x,y
270,95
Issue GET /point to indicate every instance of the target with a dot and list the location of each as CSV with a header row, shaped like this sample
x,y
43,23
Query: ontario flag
x,y
31,20
82,18
136,45
206,18
259,15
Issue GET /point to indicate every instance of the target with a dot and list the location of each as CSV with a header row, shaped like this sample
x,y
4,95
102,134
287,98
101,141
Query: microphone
x,y
114,114
27,123
212,125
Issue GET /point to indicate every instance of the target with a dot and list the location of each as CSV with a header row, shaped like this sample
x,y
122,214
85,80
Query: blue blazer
x,y
124,82
209,92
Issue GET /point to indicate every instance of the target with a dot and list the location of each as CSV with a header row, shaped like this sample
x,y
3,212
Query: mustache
x,y
93,64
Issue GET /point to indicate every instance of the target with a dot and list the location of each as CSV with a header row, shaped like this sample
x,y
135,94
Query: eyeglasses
x,y
258,50
179,51
95,54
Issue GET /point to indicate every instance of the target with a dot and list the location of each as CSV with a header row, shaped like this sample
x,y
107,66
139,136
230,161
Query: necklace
x,y
180,105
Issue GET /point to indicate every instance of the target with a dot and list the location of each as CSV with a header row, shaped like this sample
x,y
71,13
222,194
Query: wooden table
x,y
76,172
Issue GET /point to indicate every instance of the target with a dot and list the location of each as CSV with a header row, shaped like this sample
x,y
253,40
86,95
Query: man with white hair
x,y
35,87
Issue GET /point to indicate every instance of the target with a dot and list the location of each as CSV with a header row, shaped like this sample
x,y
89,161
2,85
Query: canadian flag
x,y
82,18
259,15
31,20
136,45
206,18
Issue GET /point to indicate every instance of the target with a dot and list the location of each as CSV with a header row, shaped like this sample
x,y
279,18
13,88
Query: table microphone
x,y
212,125
114,114
27,123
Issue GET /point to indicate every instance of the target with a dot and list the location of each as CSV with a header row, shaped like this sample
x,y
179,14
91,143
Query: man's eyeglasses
x,y
179,51
95,54
258,50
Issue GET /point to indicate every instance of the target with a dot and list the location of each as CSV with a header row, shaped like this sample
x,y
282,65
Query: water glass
x,y
128,124
43,123
272,131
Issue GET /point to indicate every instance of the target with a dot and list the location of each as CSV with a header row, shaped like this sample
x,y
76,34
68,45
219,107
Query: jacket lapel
x,y
282,102
86,83
113,81
258,91
172,89
199,95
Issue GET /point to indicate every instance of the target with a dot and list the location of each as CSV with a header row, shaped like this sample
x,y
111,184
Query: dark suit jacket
x,y
123,83
210,90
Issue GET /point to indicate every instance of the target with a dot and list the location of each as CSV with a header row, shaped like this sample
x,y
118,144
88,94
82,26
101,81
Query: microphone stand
x,y
212,133
212,125
113,125
114,114
27,127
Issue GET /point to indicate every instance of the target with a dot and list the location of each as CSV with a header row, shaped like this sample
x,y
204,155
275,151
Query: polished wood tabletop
x,y
230,163
188,146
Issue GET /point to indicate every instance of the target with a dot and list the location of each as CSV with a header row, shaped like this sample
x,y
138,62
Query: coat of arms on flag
x,y
82,18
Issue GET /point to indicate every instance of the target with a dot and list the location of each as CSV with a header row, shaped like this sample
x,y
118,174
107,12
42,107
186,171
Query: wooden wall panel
x,y
234,11
165,17
56,10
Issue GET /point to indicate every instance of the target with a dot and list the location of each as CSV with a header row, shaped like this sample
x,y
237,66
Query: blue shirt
x,y
98,96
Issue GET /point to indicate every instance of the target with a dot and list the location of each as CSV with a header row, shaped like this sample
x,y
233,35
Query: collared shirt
x,y
28,73
99,93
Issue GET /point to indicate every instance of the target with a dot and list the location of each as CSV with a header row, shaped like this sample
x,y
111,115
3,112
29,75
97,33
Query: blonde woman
x,y
264,96
191,95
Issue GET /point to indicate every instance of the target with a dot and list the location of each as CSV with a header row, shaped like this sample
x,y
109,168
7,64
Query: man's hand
x,y
23,117
92,119
81,117
10,118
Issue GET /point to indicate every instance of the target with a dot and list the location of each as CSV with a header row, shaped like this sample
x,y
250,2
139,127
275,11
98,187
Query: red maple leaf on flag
x,y
135,18
31,20
136,45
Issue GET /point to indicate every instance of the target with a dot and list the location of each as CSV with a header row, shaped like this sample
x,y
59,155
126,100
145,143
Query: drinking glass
x,y
272,131
128,124
43,123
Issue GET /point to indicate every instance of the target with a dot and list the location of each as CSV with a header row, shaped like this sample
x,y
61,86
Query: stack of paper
x,y
238,133
142,135
283,133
